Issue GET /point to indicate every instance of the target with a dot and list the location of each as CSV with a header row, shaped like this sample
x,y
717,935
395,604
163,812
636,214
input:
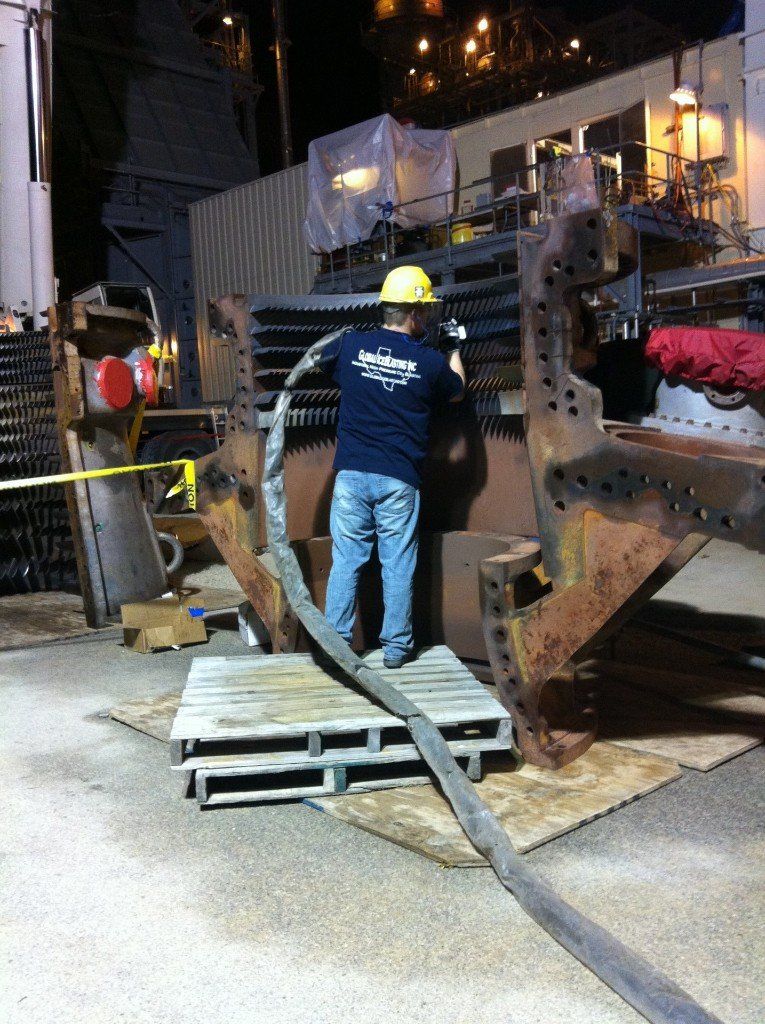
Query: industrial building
x,y
397,511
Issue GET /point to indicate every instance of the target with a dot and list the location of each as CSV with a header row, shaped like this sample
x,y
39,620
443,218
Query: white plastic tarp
x,y
354,173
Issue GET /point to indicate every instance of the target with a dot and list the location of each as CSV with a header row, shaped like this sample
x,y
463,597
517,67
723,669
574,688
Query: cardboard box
x,y
165,622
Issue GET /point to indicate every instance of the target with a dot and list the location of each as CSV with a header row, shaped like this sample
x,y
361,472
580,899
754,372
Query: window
x,y
505,165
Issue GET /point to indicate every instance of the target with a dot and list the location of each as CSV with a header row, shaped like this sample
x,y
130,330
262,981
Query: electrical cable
x,y
638,982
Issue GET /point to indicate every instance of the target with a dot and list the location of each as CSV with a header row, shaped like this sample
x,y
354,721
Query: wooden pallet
x,y
246,716
255,784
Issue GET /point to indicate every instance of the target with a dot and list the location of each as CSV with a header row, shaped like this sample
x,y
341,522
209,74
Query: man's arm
x,y
455,364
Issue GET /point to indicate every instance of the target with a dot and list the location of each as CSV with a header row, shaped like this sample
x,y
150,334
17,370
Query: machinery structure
x,y
617,508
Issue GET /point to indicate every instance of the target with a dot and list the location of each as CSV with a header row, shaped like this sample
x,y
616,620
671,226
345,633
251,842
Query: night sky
x,y
333,79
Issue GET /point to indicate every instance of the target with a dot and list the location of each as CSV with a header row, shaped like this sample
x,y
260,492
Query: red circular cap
x,y
115,382
146,379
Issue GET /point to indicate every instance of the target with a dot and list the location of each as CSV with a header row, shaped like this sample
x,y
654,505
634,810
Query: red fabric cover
x,y
709,355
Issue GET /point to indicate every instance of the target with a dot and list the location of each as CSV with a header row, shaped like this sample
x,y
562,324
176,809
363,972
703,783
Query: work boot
x,y
396,660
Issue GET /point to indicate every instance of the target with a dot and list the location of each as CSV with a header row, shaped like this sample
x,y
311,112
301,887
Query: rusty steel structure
x,y
545,527
474,449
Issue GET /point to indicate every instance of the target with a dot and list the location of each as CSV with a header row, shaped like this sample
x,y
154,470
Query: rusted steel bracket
x,y
614,502
228,497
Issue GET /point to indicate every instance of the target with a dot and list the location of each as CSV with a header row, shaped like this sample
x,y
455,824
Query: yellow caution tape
x,y
189,484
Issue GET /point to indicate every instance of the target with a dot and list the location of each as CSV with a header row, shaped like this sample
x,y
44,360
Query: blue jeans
x,y
365,505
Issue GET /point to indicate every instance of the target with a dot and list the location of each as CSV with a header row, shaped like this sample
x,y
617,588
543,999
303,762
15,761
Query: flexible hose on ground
x,y
638,982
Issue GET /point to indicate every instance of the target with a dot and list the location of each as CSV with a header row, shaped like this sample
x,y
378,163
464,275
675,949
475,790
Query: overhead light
x,y
574,44
685,95
412,71
483,24
470,46
227,19
423,45
540,94
357,179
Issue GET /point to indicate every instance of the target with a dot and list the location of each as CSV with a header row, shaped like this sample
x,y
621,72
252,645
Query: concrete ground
x,y
124,902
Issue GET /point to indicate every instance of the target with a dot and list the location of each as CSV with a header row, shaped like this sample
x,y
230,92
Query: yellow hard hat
x,y
407,285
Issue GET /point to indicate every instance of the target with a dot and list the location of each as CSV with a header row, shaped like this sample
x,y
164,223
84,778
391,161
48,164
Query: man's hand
x,y
455,364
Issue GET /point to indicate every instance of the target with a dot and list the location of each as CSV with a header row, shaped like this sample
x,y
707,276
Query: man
x,y
390,380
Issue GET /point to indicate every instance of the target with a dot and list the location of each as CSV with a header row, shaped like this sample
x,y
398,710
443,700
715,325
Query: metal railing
x,y
621,175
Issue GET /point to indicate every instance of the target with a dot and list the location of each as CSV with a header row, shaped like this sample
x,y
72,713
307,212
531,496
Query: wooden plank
x,y
534,805
244,763
39,618
152,715
214,788
639,720
742,697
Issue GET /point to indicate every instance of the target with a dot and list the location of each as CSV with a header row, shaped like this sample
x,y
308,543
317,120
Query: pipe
x,y
638,982
38,188
282,82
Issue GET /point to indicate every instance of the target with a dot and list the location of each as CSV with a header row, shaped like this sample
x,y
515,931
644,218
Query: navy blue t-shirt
x,y
389,384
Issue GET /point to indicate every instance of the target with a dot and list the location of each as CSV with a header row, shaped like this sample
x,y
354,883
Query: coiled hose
x,y
638,982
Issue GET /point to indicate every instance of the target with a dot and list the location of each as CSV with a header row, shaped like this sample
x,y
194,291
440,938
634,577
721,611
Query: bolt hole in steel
x,y
593,254
529,729
582,481
570,395
667,485
624,473
560,506
573,411
592,223
630,494
559,474
645,478
521,706
606,487
547,381
497,610
542,332
557,264
690,491
542,307
543,357
674,506
550,280
569,270
506,658
500,635
728,521
494,585
701,513
553,406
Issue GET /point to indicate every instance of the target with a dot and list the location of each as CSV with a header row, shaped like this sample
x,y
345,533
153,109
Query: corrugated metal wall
x,y
249,239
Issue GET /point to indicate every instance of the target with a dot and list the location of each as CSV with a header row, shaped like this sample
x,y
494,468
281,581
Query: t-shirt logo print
x,y
382,366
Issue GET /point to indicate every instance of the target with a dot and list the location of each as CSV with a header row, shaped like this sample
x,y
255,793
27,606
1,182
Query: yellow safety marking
x,y
135,430
189,477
